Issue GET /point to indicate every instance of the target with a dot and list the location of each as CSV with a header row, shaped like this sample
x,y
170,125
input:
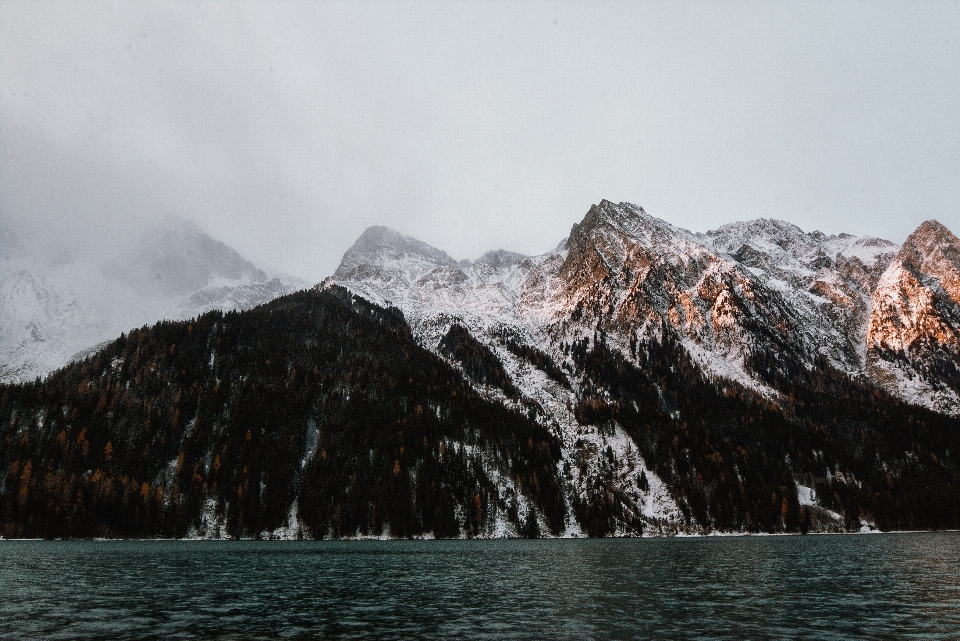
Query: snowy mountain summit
x,y
760,306
913,336
749,300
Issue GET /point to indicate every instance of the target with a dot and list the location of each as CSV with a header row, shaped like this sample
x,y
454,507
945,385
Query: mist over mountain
x,y
58,299
175,258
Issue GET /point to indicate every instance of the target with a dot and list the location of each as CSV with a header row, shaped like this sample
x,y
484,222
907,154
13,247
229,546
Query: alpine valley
x,y
638,379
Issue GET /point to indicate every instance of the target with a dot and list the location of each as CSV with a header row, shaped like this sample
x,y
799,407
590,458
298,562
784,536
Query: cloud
x,y
285,129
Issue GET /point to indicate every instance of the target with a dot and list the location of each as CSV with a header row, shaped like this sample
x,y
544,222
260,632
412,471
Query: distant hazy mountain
x,y
51,310
175,258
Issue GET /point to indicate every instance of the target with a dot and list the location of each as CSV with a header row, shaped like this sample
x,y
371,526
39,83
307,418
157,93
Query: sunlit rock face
x,y
828,279
913,337
751,300
631,275
751,295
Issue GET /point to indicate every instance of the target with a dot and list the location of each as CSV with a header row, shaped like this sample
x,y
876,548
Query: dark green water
x,y
903,586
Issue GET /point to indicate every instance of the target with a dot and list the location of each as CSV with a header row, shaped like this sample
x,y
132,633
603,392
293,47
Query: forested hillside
x,y
735,458
319,415
317,399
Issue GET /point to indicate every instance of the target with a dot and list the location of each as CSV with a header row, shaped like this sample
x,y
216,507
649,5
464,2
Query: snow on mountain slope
x,y
828,279
52,310
748,301
913,337
237,295
435,292
389,268
36,319
628,273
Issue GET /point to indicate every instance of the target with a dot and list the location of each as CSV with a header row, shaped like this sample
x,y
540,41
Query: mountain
x,y
52,310
829,279
749,300
175,258
389,268
913,336
314,415
637,379
630,274
760,307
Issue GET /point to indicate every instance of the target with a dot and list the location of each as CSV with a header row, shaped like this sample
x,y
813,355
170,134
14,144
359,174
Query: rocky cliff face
x,y
752,301
913,336
630,274
829,280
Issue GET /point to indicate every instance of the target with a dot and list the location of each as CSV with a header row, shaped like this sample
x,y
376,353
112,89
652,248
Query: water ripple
x,y
904,586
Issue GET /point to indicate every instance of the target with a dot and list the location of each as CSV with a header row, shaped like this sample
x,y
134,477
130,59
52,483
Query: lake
x,y
904,586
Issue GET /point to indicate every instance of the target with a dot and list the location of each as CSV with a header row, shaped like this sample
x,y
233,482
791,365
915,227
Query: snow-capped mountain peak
x,y
917,299
913,337
384,246
934,250
746,297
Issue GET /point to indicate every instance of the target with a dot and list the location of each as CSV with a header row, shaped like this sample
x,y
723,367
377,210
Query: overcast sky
x,y
285,129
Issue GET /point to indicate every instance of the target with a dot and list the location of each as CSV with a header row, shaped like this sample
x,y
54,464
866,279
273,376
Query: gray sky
x,y
285,129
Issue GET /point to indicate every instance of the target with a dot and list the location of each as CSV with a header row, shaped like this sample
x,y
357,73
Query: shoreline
x,y
712,535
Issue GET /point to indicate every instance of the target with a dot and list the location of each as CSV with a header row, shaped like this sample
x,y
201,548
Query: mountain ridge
x,y
913,338
816,291
675,382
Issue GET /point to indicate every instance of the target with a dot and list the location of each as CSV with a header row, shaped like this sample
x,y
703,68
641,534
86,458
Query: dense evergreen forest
x,y
316,395
319,412
734,458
